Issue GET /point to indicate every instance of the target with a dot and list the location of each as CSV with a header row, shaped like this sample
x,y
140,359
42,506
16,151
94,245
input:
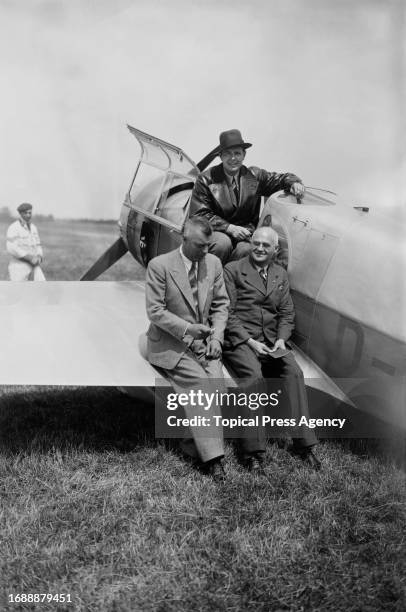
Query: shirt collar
x,y
230,178
259,268
24,224
188,263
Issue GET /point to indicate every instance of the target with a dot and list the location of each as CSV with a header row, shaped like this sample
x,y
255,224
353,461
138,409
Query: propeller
x,y
119,248
109,257
203,163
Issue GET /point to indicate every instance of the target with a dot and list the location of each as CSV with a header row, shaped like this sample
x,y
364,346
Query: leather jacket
x,y
211,196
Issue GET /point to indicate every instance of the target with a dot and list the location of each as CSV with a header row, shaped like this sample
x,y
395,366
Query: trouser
x,y
194,371
20,270
226,249
246,365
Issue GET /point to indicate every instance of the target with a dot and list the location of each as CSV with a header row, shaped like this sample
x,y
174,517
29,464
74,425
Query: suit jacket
x,y
256,311
211,196
170,305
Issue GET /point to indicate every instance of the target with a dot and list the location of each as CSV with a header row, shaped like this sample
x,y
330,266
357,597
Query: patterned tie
x,y
193,284
264,275
235,190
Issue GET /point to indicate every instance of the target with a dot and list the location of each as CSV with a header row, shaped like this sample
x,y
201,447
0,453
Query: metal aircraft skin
x,y
345,265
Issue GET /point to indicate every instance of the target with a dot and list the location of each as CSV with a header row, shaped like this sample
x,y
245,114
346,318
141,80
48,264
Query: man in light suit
x,y
261,321
229,196
24,247
187,305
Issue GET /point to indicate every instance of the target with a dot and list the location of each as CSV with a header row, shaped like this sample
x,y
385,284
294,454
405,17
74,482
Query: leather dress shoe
x,y
310,459
254,463
215,469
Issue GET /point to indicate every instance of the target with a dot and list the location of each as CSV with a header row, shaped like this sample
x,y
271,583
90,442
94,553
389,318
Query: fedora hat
x,y
232,138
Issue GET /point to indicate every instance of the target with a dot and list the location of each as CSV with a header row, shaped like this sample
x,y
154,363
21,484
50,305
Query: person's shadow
x,y
41,419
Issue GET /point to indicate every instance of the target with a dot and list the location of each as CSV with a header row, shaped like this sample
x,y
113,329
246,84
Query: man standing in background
x,y
24,247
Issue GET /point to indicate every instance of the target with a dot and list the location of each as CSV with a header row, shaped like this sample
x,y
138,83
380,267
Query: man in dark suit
x,y
187,305
229,196
261,320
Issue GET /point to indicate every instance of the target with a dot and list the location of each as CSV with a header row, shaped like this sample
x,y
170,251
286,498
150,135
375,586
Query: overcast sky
x,y
317,86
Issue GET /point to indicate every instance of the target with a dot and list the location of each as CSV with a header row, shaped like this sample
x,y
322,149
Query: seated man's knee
x,y
241,250
292,367
221,245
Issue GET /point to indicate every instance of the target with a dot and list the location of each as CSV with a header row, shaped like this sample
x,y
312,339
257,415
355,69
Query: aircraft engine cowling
x,y
152,223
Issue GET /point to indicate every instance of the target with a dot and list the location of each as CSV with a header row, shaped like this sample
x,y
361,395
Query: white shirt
x,y
23,240
188,263
260,268
231,177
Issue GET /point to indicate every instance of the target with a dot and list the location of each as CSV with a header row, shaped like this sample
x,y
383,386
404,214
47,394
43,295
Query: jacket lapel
x,y
252,276
273,277
248,185
219,189
179,275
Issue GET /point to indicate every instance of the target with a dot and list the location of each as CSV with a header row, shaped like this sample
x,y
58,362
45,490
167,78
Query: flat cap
x,y
24,207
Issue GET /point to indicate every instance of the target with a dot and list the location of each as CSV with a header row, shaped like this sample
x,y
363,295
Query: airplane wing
x,y
76,333
86,333
73,333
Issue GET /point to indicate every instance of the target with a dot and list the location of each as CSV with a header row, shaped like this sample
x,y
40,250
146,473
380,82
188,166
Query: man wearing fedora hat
x,y
24,247
229,196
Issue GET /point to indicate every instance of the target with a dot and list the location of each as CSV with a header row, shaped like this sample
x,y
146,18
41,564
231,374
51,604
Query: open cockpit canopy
x,y
163,170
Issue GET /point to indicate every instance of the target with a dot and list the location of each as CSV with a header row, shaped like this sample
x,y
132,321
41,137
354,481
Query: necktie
x,y
193,284
264,275
235,190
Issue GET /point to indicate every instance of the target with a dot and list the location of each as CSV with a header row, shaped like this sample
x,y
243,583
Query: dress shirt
x,y
188,264
230,182
260,268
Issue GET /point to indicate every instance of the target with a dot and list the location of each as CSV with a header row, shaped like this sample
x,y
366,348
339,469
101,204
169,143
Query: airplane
x,y
345,265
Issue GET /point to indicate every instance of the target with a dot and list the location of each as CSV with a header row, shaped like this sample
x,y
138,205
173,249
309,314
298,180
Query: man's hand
x,y
33,259
213,349
238,232
198,331
259,348
279,344
298,190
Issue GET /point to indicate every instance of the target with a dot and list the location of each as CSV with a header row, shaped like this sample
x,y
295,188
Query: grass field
x,y
71,247
93,506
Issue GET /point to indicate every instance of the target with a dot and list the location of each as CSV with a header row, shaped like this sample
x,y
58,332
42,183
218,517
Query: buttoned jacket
x,y
170,305
264,313
23,240
211,195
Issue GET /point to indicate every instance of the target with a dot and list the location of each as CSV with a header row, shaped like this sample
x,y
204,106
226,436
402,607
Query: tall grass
x,y
94,506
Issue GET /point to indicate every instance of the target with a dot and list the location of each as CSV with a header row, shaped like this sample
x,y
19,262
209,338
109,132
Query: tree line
x,y
6,215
